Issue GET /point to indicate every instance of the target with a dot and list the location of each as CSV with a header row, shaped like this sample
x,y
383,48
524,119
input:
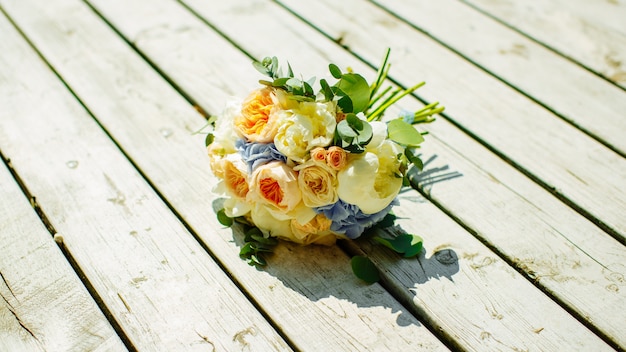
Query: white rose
x,y
370,180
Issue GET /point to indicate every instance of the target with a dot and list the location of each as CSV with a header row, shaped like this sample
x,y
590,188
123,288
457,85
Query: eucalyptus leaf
x,y
346,131
261,68
405,244
403,133
387,221
356,87
209,139
345,104
328,93
224,219
354,121
364,269
335,71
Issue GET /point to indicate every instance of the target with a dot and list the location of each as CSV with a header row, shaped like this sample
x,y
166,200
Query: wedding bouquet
x,y
310,167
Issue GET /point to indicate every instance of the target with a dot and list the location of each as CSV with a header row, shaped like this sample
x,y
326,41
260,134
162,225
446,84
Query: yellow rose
x,y
303,128
370,179
257,120
317,183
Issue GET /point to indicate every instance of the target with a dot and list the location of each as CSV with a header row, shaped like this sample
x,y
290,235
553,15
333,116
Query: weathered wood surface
x,y
562,86
507,266
44,305
592,33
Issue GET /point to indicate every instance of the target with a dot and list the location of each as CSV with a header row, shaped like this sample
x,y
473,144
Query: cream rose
x,y
235,186
303,128
275,184
264,219
315,231
370,179
224,139
317,183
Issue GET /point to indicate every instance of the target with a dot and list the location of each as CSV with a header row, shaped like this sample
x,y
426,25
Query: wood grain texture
x,y
590,32
160,285
43,305
565,160
579,96
256,12
311,295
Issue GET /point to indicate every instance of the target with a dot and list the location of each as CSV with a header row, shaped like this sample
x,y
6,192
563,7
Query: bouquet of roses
x,y
311,167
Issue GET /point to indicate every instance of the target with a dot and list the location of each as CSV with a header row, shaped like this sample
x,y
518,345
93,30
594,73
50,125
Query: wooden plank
x,y
497,202
44,305
310,58
590,32
579,96
159,284
563,159
310,292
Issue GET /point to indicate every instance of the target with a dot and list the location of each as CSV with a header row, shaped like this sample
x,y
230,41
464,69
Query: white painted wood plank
x,y
157,46
160,285
581,97
575,166
590,32
309,292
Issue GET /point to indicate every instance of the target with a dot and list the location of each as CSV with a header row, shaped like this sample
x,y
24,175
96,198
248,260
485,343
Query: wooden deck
x,y
108,234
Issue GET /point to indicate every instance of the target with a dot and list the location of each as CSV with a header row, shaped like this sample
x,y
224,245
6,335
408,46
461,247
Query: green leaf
x,y
365,134
280,82
387,221
345,104
224,219
364,269
403,133
356,87
416,246
354,121
261,68
406,244
346,131
334,71
209,139
328,93
413,157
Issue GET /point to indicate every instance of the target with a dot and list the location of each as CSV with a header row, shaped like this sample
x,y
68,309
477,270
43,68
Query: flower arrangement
x,y
312,167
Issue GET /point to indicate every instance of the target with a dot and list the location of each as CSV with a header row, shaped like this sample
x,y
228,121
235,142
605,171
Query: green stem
x,y
392,101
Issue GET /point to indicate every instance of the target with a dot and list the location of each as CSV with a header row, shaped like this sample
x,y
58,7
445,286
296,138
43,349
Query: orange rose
x,y
276,185
257,122
318,154
336,157
235,179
